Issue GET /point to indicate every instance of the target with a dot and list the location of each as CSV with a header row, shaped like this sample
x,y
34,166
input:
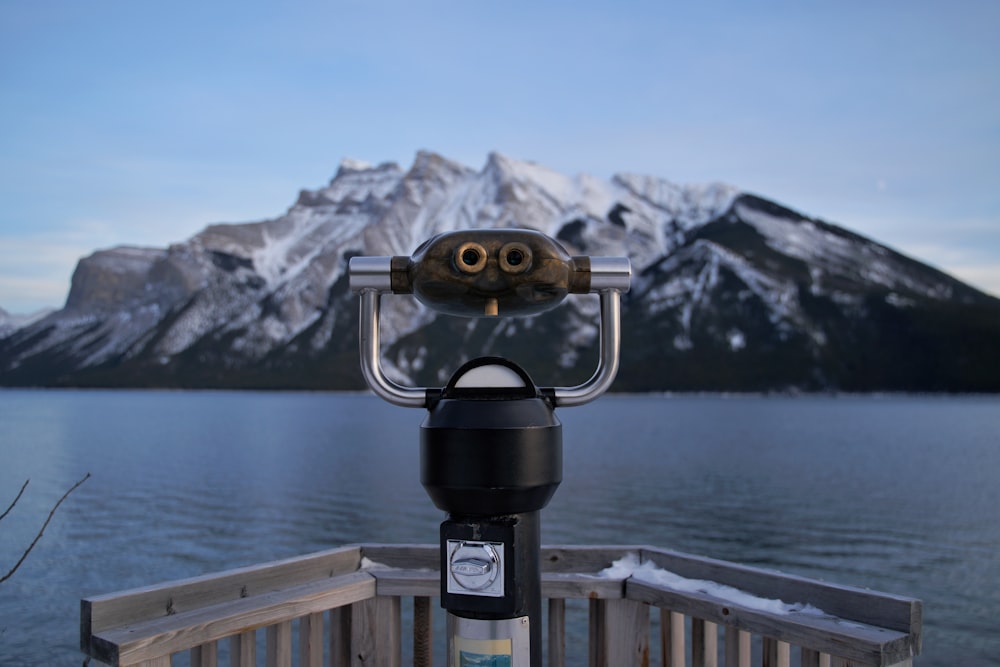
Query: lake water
x,y
893,493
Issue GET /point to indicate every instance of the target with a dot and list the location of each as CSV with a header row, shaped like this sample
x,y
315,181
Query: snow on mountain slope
x,y
714,268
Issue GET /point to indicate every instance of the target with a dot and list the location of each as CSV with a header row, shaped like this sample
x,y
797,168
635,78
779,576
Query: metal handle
x,y
607,362
371,277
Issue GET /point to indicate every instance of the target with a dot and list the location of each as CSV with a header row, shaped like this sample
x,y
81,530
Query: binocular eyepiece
x,y
492,272
486,273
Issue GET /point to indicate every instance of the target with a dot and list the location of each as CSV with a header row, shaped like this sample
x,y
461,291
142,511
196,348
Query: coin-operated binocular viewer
x,y
491,445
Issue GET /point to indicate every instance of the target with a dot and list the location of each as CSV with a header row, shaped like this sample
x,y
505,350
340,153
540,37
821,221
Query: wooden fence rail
x,y
345,608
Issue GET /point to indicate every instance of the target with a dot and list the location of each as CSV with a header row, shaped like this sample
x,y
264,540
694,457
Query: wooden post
x,y
704,643
775,653
738,648
163,661
557,632
206,655
619,633
340,636
243,649
811,658
311,640
375,630
422,644
672,638
279,644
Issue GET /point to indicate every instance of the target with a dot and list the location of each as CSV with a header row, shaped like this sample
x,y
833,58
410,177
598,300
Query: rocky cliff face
x,y
730,292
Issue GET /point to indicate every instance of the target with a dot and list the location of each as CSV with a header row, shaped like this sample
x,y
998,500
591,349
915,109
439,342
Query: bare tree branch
x,y
44,525
19,494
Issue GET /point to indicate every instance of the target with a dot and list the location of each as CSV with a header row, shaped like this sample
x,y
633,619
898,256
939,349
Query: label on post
x,y
483,652
502,642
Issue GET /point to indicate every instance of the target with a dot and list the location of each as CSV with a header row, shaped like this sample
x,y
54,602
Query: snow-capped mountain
x,y
730,291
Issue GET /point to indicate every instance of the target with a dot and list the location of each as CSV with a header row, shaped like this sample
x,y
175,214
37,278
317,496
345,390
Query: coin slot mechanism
x,y
475,568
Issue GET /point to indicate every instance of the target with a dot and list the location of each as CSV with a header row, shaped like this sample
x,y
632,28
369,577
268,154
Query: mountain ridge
x,y
731,291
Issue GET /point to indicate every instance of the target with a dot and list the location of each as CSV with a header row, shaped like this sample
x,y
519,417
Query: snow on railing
x,y
630,566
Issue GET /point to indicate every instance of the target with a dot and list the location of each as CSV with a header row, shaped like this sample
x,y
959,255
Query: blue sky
x,y
129,122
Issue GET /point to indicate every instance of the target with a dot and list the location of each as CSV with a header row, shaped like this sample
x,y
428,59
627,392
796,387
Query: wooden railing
x,y
344,607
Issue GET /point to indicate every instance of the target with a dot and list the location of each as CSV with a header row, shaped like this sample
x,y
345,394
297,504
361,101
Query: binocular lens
x,y
515,257
470,257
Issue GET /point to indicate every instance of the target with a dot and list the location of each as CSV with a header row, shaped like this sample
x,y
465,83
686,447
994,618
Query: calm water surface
x,y
892,493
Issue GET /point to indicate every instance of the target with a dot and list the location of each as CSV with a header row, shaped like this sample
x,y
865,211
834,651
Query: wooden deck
x,y
354,605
